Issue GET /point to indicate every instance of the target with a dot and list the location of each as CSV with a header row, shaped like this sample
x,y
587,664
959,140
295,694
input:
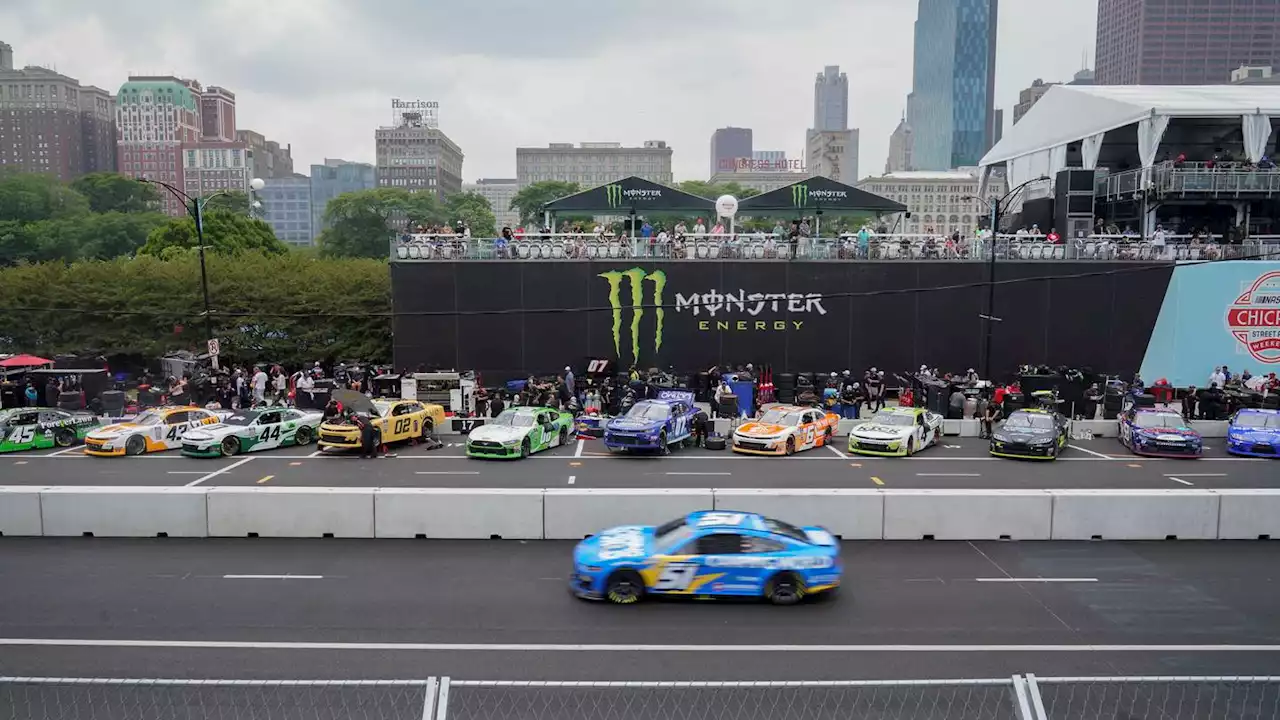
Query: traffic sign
x,y
214,347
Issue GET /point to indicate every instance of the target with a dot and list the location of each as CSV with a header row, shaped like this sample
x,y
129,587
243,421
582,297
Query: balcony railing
x,y
1205,179
879,248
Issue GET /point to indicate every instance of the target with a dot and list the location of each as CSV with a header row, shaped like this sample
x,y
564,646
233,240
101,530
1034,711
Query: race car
x,y
393,421
1159,433
896,432
250,430
37,428
707,553
653,424
519,432
1254,432
1031,434
153,431
785,430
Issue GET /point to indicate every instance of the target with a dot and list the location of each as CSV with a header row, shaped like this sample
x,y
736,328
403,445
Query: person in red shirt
x,y
999,395
1053,236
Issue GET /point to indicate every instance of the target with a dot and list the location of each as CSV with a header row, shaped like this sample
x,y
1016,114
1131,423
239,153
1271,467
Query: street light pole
x,y
997,207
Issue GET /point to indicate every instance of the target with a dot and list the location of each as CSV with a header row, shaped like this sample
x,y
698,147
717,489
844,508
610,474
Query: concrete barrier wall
x,y
20,511
1249,514
458,513
124,511
1111,428
290,512
574,514
967,514
850,514
1135,514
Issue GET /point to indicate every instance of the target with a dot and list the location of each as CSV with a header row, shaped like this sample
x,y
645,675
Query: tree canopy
x,y
225,232
363,223
112,192
474,210
529,199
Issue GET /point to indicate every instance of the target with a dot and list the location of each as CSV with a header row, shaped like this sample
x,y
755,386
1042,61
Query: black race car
x,y
1031,434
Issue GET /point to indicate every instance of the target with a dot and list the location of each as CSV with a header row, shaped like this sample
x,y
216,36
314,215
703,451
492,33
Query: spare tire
x,y
716,443
784,380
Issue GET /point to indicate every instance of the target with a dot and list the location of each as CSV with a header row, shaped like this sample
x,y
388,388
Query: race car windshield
x,y
1160,420
150,417
1038,422
885,418
239,420
649,411
509,418
1270,422
778,417
671,536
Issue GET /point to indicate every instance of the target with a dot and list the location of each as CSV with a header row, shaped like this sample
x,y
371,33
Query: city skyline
x,y
289,87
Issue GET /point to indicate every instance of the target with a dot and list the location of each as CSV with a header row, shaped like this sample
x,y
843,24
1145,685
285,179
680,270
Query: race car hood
x,y
497,433
633,424
355,401
1168,434
1254,435
1022,435
876,431
755,429
627,543
106,432
210,432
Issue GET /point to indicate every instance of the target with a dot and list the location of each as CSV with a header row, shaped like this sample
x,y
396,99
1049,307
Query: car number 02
x,y
22,435
676,577
402,426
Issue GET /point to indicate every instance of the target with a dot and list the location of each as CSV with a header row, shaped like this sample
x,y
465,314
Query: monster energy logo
x,y
800,195
614,194
635,277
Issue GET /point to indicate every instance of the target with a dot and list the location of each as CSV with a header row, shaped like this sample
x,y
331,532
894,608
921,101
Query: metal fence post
x,y
1021,705
442,699
429,699
1037,701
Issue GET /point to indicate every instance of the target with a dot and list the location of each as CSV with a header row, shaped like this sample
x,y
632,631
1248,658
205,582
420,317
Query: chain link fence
x,y
1015,698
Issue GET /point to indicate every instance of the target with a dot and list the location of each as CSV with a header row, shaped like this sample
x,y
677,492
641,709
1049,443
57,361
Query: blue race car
x,y
653,424
1159,433
709,553
1254,432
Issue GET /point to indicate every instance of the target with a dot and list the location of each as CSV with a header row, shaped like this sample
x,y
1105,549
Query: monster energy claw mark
x,y
799,194
613,194
636,277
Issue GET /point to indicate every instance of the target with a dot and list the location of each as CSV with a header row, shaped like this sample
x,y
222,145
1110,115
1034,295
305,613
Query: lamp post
x,y
998,206
195,208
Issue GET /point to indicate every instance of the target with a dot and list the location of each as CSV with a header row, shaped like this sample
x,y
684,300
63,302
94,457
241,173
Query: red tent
x,y
22,361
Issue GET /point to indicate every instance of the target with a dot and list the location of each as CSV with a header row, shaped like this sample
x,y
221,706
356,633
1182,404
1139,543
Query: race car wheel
x,y
524,448
564,437
427,428
828,436
785,589
63,437
230,446
791,446
624,588
135,445
662,443
303,436
911,446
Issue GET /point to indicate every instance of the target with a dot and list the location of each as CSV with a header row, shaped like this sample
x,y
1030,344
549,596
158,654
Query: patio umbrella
x,y
22,361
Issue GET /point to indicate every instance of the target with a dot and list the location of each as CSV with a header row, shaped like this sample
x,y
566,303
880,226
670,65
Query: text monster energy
x,y
636,277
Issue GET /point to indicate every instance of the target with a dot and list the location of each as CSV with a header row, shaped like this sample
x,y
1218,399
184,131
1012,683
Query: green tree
x,y
224,232
233,202
113,192
530,199
30,197
362,223
474,210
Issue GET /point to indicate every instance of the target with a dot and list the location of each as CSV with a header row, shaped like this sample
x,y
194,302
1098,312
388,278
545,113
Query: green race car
x,y
36,428
252,430
519,432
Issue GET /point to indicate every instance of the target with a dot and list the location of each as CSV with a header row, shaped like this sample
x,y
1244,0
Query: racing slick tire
x,y
624,587
663,447
135,445
911,447
303,436
564,437
229,446
715,443
791,447
524,448
428,428
828,437
62,437
784,589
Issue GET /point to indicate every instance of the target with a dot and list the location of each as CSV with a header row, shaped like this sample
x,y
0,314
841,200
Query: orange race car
x,y
785,429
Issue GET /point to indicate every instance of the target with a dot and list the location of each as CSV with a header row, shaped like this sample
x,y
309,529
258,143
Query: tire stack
x,y
785,387
70,400
113,403
1112,403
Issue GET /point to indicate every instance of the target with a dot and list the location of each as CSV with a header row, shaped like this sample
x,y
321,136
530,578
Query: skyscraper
x,y
332,179
899,148
1141,42
729,147
416,155
831,99
157,116
953,85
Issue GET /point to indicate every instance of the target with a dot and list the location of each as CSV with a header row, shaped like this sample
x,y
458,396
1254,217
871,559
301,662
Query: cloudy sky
x,y
320,73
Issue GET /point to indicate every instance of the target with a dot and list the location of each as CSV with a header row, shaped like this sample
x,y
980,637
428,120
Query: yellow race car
x,y
154,430
393,421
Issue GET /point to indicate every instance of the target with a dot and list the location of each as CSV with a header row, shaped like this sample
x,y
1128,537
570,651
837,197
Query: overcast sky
x,y
320,73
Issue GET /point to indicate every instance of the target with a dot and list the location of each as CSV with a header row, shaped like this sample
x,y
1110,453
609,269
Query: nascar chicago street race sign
x,y
1254,318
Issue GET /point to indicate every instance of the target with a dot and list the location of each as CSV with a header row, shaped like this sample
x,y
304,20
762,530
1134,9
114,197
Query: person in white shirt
x,y
259,386
1158,241
304,384
281,387
1217,378
699,228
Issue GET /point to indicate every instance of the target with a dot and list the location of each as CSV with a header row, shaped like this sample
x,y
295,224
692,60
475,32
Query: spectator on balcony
x,y
699,228
1180,161
1217,377
1158,241
1266,164
717,231
1053,237
646,230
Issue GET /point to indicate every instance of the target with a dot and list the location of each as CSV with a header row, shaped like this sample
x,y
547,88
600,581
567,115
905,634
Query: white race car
x,y
896,432
251,430
154,430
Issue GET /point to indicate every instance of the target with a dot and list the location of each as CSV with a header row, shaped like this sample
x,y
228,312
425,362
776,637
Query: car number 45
x,y
676,577
22,435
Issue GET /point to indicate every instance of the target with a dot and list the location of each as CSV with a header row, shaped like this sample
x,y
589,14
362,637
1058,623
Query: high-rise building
x,y
940,202
50,123
1245,75
416,155
771,159
1029,96
899,148
157,116
498,191
833,154
332,179
596,163
217,162
953,84
267,158
1145,42
731,147
286,207
831,99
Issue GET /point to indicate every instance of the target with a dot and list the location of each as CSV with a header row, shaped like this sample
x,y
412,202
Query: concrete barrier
x,y
574,514
967,514
460,513
1249,514
1111,428
290,512
20,511
850,514
124,511
1135,514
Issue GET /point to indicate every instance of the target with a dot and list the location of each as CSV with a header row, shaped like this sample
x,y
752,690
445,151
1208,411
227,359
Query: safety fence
x,y
1020,697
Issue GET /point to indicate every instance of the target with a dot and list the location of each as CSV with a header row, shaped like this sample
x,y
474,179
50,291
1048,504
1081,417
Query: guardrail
x,y
1019,697
881,248
1202,179
574,513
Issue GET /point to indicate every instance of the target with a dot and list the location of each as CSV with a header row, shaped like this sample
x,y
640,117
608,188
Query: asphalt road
x,y
500,610
958,462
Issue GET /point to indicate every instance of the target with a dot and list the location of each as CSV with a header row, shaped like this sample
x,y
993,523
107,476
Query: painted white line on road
x,y
948,474
56,453
578,452
512,647
315,454
1178,480
218,472
1091,452
839,454
1169,475
1035,580
447,472
699,473
573,479
272,577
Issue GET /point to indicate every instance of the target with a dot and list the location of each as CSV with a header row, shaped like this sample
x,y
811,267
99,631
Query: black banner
x,y
516,318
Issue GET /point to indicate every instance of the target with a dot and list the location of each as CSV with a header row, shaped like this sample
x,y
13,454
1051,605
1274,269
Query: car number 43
x,y
676,577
